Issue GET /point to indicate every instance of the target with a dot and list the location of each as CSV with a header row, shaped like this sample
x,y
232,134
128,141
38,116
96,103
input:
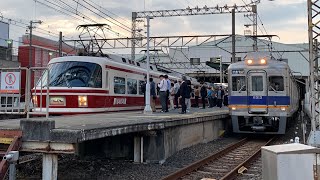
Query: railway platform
x,y
130,135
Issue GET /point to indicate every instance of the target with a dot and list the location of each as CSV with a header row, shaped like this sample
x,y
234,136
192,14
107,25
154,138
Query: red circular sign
x,y
10,79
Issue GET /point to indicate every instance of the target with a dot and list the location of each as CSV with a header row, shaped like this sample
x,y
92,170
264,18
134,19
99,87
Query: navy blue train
x,y
263,95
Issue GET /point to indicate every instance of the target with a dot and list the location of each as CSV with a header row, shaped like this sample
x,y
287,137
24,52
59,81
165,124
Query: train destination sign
x,y
240,71
10,82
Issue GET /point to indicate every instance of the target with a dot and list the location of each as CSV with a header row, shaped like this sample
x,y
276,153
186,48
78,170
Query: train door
x,y
257,92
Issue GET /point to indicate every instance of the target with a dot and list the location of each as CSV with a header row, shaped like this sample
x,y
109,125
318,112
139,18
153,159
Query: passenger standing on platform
x,y
214,96
176,93
210,97
203,92
143,89
196,95
188,101
168,90
163,92
171,97
220,94
153,95
184,93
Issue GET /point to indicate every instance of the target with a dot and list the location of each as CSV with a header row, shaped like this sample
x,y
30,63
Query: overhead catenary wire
x,y
74,15
120,17
122,26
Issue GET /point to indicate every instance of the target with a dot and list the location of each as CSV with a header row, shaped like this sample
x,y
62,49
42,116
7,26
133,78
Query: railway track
x,y
225,164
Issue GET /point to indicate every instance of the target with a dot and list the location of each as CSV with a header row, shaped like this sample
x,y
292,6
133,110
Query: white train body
x,y
83,84
263,95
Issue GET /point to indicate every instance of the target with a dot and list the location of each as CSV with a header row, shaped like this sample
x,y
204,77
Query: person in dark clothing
x,y
203,93
168,90
153,95
143,89
214,97
188,100
220,94
185,93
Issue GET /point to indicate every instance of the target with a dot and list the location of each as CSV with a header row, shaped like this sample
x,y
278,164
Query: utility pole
x,y
30,40
147,108
233,36
60,44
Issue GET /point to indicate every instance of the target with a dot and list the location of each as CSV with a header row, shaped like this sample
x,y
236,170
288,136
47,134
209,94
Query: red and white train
x,y
84,84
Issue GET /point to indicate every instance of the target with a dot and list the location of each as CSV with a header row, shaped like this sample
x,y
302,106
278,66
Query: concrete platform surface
x,y
78,128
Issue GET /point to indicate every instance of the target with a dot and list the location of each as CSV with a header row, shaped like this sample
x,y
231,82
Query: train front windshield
x,y
73,74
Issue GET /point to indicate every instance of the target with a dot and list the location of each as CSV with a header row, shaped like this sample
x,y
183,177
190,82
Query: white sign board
x,y
10,82
4,34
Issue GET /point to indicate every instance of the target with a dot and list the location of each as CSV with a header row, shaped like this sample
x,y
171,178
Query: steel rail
x,y
234,172
198,164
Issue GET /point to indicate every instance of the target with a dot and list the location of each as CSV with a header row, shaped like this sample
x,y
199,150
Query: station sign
x,y
10,82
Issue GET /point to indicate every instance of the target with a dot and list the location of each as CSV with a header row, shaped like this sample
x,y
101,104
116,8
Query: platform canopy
x,y
216,65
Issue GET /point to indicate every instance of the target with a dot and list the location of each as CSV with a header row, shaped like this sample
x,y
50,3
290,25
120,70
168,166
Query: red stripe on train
x,y
70,90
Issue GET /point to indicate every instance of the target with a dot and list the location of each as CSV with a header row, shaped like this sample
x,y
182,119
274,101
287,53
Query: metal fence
x,y
39,91
20,86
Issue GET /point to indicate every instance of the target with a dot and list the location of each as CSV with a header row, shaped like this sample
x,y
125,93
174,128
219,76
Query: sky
x,y
285,18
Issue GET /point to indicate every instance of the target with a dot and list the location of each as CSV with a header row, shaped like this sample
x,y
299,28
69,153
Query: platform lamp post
x,y
147,108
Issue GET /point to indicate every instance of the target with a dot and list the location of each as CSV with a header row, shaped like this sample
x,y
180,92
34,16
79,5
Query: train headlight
x,y
35,100
83,101
233,108
283,108
249,61
263,61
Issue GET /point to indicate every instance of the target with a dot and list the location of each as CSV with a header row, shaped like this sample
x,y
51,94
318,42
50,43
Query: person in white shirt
x,y
163,85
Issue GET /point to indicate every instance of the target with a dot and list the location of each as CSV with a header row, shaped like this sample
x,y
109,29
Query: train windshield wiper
x,y
241,88
273,89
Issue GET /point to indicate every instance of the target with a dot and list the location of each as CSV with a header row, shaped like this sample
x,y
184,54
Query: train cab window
x,y
257,83
151,67
75,74
276,83
238,83
132,86
124,60
138,64
119,85
141,87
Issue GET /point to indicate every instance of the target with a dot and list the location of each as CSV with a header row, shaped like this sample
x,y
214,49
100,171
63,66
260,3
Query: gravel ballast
x,y
72,167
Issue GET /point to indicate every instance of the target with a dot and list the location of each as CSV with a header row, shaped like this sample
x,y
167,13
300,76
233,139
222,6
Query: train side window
x,y
132,86
238,83
276,83
257,83
141,87
124,60
138,64
119,85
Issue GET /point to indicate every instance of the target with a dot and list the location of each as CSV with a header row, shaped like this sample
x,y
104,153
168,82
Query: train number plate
x,y
57,101
257,97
